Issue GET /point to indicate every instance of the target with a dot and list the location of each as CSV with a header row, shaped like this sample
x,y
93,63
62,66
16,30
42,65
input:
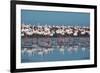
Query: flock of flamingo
x,y
47,30
43,46
44,51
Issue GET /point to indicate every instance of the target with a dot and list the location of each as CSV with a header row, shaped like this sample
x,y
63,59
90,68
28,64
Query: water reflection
x,y
54,49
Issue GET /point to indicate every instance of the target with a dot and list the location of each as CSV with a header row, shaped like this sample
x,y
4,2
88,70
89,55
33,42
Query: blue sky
x,y
55,18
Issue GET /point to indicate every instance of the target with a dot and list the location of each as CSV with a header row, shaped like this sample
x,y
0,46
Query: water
x,y
43,49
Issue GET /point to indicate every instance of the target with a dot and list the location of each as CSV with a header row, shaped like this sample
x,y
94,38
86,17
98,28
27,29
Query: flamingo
x,y
45,51
83,49
24,50
40,53
75,33
70,49
75,48
62,49
29,51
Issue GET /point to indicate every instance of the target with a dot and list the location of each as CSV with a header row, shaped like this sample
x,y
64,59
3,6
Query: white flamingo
x,y
75,48
24,50
29,33
83,49
62,49
75,33
83,32
45,51
22,34
29,51
40,53
50,50
70,49
34,51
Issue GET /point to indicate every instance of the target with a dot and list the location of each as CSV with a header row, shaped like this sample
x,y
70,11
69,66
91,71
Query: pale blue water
x,y
42,17
56,55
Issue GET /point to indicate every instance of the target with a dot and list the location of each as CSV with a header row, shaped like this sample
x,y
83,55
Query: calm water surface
x,y
34,49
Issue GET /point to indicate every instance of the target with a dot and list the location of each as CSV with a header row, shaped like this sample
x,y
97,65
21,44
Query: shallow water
x,y
55,49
